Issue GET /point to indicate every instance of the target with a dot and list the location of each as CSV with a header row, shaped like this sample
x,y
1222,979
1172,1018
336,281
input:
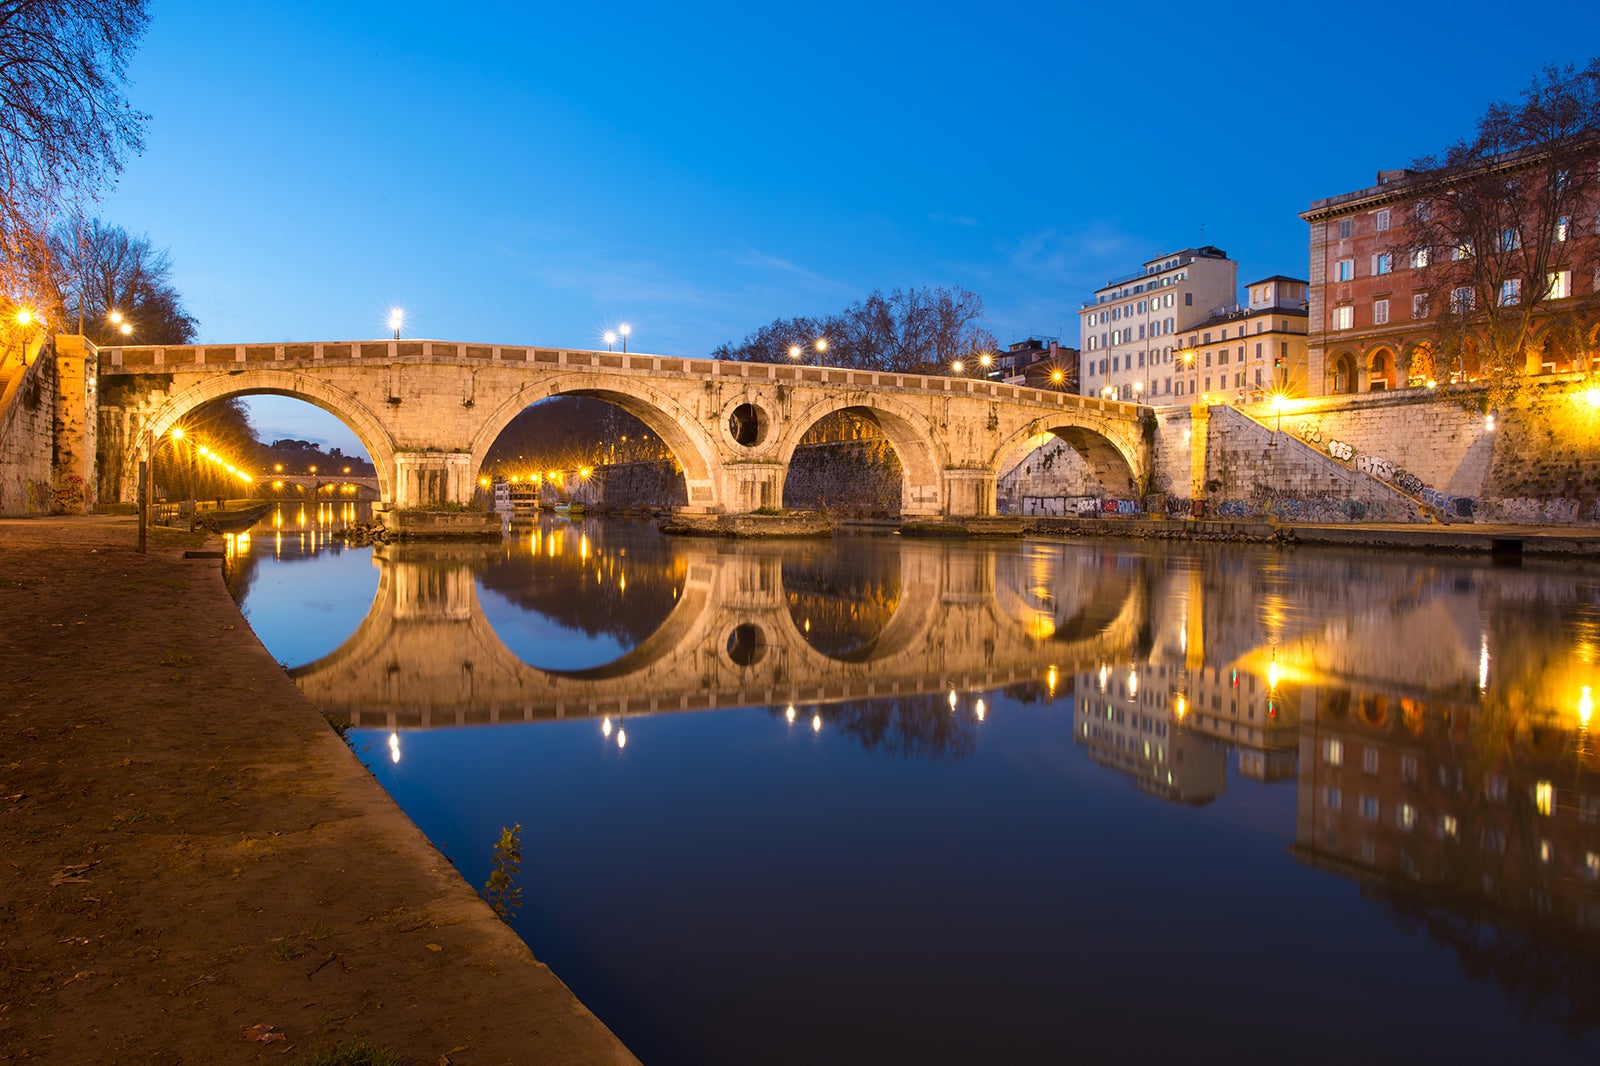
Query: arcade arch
x,y
921,459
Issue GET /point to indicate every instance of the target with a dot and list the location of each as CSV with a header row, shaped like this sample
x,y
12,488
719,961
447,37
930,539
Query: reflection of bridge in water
x,y
426,656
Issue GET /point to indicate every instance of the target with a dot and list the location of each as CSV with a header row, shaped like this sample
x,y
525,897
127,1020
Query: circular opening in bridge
x,y
748,424
746,645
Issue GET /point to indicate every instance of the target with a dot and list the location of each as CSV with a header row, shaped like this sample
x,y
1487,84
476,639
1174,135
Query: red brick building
x,y
1381,289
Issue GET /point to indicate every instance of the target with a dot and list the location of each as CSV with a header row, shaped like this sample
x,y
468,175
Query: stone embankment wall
x,y
27,431
847,477
1536,461
656,485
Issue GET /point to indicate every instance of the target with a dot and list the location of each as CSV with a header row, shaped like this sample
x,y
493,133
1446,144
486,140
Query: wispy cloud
x,y
952,220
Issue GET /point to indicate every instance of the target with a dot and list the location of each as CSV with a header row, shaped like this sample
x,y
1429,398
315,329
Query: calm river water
x,y
882,800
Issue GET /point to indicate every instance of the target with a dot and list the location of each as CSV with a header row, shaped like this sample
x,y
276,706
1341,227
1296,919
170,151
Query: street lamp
x,y
397,318
958,366
610,338
1277,409
623,331
146,467
798,353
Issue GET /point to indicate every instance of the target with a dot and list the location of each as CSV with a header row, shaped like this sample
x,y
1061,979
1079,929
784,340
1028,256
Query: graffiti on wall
x,y
1385,470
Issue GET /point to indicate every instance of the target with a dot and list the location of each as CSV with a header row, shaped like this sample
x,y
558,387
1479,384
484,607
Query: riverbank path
x,y
194,868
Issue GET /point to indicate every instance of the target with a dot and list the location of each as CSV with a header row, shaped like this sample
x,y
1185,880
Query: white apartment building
x,y
1129,329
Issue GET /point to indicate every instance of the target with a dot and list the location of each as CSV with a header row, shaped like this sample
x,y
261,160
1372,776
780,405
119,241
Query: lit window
x,y
1383,219
1405,816
1383,262
1419,258
1461,300
1510,292
1380,312
1544,795
1560,284
1591,865
1563,227
1462,251
1344,317
1345,270
1448,826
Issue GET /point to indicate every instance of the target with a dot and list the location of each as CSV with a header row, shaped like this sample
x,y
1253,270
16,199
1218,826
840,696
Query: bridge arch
x,y
341,405
677,427
1117,463
910,433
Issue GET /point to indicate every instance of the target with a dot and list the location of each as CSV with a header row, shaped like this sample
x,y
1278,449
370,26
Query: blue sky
x,y
530,173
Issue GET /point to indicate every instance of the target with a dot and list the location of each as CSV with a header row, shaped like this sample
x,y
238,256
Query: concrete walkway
x,y
194,868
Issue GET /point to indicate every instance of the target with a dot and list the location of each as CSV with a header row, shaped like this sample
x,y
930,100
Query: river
x,y
872,799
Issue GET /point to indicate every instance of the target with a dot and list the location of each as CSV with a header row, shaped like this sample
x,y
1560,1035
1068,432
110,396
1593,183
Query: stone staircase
x,y
1257,453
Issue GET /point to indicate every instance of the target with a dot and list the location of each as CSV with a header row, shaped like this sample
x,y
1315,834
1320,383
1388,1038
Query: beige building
x,y
1246,354
1130,328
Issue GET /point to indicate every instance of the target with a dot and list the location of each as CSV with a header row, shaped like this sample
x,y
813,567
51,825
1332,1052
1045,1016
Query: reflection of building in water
x,y
1128,727
1478,809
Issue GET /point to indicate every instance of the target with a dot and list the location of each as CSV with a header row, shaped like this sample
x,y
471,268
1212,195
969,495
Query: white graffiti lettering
x,y
1340,450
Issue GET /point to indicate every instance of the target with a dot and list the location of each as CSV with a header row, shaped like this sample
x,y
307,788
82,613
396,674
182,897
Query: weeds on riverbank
x,y
501,890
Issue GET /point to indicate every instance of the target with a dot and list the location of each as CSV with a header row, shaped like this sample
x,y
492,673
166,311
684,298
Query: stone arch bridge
x,y
427,657
428,412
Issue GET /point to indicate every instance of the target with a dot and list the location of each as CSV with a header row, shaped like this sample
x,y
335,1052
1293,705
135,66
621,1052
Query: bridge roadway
x,y
428,412
426,657
366,488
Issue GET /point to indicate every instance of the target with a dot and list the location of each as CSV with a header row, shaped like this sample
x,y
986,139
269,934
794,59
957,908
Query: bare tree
x,y
101,269
1503,229
916,330
64,124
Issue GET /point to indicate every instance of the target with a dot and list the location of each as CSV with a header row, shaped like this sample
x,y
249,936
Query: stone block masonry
x,y
27,430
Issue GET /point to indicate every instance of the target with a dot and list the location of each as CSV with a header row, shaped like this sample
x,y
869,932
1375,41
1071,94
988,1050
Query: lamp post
x,y
610,338
798,354
146,471
623,331
397,318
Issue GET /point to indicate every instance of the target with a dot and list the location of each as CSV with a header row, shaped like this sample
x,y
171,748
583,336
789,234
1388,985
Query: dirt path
x,y
190,857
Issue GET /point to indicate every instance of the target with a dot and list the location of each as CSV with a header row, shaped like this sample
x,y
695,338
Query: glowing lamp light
x,y
1592,397
1585,705
397,318
952,700
1272,676
979,709
605,726
1057,376
622,738
794,351
115,318
788,713
394,747
1488,423
1180,708
177,432
126,328
957,366
816,723
24,317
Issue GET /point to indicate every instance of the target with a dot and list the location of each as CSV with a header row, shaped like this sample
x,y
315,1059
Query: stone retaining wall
x,y
27,432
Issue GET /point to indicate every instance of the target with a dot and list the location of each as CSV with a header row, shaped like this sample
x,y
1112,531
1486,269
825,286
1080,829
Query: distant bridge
x,y
426,657
362,488
428,412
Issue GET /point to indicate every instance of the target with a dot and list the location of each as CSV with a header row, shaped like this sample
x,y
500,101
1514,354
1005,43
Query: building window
x,y
1405,816
1369,808
1461,300
1383,219
1188,299
1419,258
1344,229
1380,312
1563,227
1560,284
1510,292
1258,349
1222,355
1408,768
1419,305
1448,826
1116,363
1462,251
1369,760
1344,270
1423,211
1544,797
1345,317
1332,750
1331,799
1383,262
1510,240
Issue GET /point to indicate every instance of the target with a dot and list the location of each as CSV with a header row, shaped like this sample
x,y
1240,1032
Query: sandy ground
x,y
194,868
